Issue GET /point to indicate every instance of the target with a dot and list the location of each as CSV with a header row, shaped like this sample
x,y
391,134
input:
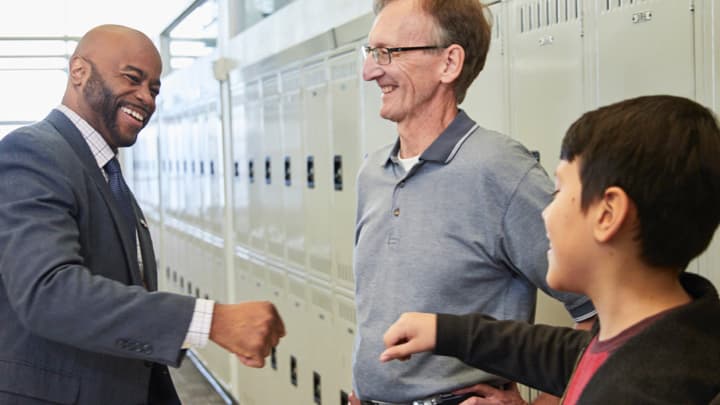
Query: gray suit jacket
x,y
76,324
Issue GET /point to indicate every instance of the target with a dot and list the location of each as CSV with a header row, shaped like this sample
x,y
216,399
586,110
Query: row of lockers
x,y
280,150
314,358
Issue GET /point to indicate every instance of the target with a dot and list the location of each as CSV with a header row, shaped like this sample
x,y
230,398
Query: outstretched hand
x,y
249,330
413,332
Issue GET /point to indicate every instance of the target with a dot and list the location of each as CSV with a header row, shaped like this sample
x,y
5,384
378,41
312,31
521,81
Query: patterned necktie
x,y
121,192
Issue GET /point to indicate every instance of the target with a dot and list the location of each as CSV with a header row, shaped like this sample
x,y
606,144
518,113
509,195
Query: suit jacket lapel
x,y
146,249
73,137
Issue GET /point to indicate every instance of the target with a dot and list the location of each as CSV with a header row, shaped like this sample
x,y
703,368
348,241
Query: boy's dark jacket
x,y
675,360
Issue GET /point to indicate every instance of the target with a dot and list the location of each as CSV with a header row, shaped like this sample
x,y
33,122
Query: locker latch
x,y
641,17
337,173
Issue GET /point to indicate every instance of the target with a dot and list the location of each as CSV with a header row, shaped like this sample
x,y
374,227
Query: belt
x,y
445,399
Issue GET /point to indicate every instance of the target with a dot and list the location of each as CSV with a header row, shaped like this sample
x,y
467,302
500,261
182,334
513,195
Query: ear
x,y
79,70
453,63
610,213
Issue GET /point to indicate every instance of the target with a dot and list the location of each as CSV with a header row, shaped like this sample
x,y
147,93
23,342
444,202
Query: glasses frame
x,y
376,52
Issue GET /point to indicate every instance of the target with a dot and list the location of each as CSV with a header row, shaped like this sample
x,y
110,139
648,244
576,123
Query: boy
x,y
637,198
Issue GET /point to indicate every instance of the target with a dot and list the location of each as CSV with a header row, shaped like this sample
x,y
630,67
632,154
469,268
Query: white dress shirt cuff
x,y
199,330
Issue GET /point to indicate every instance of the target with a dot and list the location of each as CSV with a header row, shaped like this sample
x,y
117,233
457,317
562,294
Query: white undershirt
x,y
408,163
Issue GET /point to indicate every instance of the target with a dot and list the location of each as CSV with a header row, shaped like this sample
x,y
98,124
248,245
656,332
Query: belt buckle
x,y
428,401
438,399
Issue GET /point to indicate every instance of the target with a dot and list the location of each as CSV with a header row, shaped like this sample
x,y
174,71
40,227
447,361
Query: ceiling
x,y
32,18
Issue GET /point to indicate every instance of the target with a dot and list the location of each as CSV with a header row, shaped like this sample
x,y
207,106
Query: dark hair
x,y
462,22
664,152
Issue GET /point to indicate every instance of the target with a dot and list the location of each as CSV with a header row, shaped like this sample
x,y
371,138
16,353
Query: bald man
x,y
81,321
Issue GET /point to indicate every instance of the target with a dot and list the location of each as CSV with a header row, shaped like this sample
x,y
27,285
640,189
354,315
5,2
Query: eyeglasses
x,y
383,56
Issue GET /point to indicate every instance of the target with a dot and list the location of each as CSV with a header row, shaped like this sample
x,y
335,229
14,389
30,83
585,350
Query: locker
x,y
272,167
546,57
256,147
317,147
195,191
346,140
241,199
345,334
215,169
293,169
486,100
322,373
644,47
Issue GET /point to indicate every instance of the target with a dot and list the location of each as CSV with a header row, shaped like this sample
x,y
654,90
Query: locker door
x,y
271,167
644,47
200,194
241,202
254,165
318,171
486,99
215,169
344,94
546,73
293,169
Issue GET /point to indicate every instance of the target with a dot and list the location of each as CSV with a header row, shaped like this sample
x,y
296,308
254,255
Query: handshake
x,y
249,330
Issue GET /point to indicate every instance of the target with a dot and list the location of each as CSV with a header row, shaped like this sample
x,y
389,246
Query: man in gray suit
x,y
80,320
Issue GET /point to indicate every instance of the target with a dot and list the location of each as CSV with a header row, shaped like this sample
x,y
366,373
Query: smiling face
x,y
410,83
116,72
569,230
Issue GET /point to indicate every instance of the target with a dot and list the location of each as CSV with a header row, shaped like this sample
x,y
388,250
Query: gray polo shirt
x,y
460,232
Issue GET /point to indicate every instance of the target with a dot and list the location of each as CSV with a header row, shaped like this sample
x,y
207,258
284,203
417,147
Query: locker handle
x,y
337,173
237,169
311,172
212,168
192,167
288,176
202,168
184,166
268,172
251,171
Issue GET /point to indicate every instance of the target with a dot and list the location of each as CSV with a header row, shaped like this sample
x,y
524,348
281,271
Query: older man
x,y
449,215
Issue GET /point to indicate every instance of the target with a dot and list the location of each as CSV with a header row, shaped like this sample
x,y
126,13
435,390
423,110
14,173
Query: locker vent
x,y
345,272
534,15
609,5
346,312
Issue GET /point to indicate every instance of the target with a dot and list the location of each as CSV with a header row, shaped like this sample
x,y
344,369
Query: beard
x,y
105,104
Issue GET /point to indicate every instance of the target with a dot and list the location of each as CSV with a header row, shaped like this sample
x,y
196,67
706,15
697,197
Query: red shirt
x,y
596,354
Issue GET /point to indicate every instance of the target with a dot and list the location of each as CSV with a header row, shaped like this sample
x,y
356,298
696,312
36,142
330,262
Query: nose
x,y
371,70
147,98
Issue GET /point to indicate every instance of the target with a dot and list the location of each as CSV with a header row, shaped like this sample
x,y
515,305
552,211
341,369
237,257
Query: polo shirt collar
x,y
444,148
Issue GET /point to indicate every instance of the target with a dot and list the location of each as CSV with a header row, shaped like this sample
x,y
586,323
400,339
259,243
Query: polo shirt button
x,y
396,212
